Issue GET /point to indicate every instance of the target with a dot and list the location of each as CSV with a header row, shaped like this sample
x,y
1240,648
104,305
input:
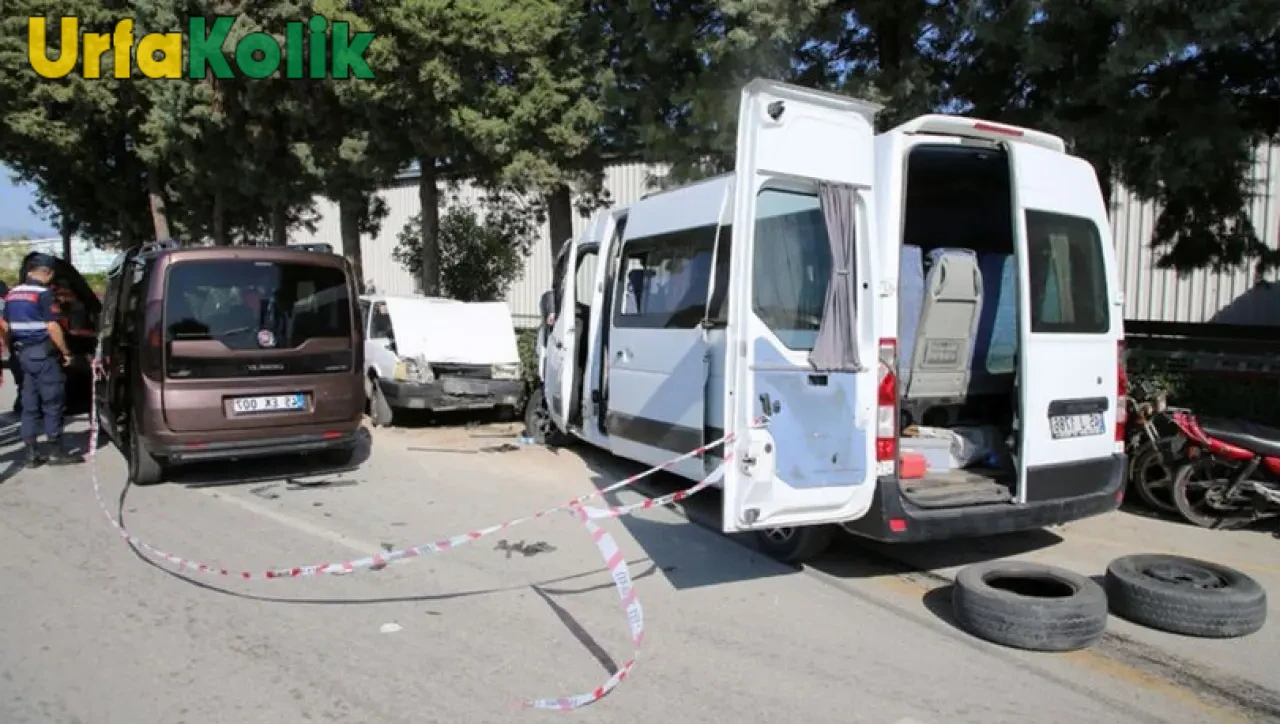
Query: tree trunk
x,y
559,220
219,219
66,243
279,225
350,208
429,200
159,217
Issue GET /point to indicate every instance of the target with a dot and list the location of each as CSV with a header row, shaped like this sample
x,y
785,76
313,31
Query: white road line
x,y
354,544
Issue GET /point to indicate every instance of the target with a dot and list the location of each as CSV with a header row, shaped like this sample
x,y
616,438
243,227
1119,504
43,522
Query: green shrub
x,y
527,343
1215,394
482,251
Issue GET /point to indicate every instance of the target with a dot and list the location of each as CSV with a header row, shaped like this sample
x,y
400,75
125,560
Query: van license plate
x,y
270,403
1068,426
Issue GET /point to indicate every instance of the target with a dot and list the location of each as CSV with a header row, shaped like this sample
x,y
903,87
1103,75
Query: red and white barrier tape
x,y
604,541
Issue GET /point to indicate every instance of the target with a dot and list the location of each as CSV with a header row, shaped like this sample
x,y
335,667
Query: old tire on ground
x,y
1185,596
1029,606
538,423
143,468
380,412
795,545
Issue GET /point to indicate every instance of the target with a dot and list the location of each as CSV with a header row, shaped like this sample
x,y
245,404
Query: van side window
x,y
1068,275
380,327
719,306
663,280
791,266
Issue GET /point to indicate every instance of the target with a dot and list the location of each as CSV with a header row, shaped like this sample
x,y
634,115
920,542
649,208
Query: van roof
x,y
948,125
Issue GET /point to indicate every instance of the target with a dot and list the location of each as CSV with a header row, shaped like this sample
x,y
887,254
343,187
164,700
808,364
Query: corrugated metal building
x,y
1151,294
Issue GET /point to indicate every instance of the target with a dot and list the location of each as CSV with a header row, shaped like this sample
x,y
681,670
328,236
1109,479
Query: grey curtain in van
x,y
836,349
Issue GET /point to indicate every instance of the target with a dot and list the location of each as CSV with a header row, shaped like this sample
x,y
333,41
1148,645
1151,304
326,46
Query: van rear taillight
x,y
1122,386
887,403
993,128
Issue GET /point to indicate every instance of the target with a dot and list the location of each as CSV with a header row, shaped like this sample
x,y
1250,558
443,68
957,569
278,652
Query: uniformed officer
x,y
35,335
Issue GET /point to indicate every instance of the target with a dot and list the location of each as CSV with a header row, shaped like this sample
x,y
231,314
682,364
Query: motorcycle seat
x,y
1251,436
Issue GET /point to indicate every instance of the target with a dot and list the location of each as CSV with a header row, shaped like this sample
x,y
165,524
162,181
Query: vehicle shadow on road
x,y
12,460
690,556
850,557
284,467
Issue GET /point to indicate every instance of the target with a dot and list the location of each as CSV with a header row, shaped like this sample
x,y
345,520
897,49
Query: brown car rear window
x,y
256,304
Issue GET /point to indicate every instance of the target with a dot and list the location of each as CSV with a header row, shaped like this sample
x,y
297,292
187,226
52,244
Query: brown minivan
x,y
223,353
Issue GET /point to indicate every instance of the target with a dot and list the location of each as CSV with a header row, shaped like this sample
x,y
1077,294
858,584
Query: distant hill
x,y
13,232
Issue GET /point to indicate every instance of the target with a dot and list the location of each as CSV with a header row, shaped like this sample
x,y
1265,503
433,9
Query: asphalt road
x,y
93,631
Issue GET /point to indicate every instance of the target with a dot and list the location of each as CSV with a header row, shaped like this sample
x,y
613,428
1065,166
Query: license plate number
x,y
268,403
1069,426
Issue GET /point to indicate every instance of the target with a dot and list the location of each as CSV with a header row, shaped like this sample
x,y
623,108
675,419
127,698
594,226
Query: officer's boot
x,y
58,456
34,458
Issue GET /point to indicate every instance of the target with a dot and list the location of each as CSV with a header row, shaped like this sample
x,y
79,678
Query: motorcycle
x,y
1231,476
1154,447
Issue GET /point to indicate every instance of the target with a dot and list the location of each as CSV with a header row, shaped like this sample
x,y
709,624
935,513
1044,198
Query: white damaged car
x,y
426,353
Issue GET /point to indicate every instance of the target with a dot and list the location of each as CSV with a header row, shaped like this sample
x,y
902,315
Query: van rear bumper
x,y
1056,494
445,394
256,448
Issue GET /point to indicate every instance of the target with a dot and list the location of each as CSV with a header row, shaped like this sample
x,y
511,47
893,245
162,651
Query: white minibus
x,y
928,321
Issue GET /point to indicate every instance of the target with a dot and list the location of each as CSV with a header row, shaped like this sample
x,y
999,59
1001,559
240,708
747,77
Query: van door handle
x,y
624,354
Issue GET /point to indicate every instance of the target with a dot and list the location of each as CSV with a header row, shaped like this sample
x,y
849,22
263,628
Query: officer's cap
x,y
42,261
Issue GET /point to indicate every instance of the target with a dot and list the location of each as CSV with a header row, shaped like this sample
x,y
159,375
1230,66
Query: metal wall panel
x,y
1151,293
1161,295
626,183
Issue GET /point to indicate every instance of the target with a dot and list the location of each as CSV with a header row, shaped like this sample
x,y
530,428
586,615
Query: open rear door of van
x,y
805,169
1070,327
562,342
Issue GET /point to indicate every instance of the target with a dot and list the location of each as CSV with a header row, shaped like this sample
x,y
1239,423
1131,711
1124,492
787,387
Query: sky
x,y
16,215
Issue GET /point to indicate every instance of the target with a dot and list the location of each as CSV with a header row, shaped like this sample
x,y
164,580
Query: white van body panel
x,y
659,376
1062,367
814,459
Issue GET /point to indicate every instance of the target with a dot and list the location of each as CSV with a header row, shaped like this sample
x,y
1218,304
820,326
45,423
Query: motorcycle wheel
x,y
1152,479
1199,489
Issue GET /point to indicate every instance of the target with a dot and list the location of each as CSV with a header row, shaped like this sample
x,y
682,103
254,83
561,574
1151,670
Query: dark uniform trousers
x,y
15,366
43,386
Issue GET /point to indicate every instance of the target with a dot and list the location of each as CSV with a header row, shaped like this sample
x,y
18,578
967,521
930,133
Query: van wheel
x,y
795,545
380,412
538,423
143,468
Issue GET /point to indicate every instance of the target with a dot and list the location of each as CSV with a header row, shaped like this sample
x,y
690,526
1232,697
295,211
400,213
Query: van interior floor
x,y
959,488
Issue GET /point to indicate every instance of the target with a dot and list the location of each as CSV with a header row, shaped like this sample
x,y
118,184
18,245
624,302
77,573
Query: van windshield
x,y
256,304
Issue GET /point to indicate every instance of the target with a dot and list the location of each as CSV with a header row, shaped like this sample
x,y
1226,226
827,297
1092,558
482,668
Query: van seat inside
x,y
995,347
944,338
